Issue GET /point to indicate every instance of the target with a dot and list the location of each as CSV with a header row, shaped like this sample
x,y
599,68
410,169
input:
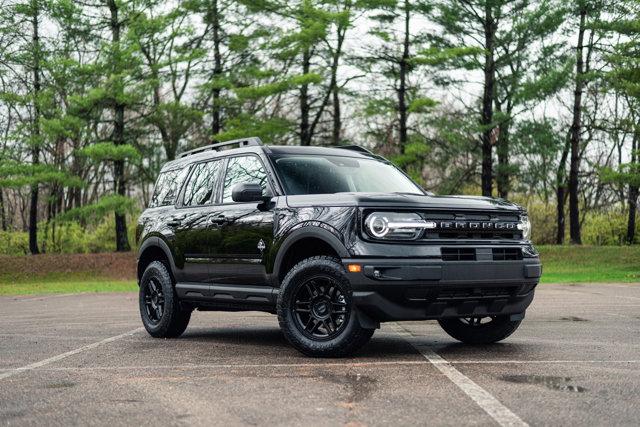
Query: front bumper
x,y
419,289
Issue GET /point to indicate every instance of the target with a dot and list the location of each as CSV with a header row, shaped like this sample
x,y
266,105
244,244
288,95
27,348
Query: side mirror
x,y
247,192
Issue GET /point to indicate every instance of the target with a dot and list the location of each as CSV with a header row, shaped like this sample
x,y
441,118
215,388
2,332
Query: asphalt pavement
x,y
84,360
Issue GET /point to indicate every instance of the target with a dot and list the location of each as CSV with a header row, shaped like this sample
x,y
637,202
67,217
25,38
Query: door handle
x,y
217,219
175,221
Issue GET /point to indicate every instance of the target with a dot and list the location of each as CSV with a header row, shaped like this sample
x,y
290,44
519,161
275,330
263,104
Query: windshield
x,y
315,174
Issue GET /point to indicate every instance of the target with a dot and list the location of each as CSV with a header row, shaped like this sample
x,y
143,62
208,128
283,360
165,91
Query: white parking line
x,y
492,406
53,359
135,368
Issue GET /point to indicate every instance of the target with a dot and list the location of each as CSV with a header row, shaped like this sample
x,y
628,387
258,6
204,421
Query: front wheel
x,y
160,309
480,330
315,309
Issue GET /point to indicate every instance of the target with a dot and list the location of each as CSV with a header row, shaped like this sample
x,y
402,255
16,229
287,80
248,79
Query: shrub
x,y
67,237
606,228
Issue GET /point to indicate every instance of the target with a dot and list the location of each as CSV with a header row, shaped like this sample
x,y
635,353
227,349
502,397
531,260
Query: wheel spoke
x,y
303,306
315,326
309,290
319,307
330,325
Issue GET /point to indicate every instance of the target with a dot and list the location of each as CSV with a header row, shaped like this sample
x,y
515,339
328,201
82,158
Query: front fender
x,y
311,229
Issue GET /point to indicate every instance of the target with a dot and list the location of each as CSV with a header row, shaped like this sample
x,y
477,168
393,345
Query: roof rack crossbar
x,y
355,148
243,142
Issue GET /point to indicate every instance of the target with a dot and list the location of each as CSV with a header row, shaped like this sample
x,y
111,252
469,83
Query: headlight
x,y
525,226
396,225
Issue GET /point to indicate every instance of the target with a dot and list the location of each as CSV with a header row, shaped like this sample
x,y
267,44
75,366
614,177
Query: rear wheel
x,y
480,330
315,309
160,309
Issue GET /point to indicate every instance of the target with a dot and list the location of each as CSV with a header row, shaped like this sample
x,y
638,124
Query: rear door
x,y
246,228
195,234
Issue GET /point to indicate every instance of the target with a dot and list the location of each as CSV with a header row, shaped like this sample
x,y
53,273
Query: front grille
x,y
472,226
507,254
458,254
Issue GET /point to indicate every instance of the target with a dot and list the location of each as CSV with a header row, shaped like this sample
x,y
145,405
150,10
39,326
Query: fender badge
x,y
261,246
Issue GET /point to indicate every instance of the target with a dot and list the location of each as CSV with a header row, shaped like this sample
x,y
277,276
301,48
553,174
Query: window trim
x,y
220,192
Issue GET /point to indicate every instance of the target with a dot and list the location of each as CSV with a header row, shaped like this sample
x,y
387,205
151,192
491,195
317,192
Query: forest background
x,y
537,101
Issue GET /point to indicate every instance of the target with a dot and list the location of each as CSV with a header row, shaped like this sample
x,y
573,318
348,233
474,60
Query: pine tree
x,y
480,24
624,78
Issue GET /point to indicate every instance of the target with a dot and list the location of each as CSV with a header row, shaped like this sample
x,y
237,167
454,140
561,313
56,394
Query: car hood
x,y
402,200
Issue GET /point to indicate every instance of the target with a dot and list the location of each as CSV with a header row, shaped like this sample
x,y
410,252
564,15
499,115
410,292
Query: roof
x,y
204,153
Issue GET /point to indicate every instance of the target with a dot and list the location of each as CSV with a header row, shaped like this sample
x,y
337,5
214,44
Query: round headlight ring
x,y
377,225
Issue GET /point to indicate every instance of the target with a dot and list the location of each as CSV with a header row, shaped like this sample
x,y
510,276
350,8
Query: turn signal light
x,y
354,268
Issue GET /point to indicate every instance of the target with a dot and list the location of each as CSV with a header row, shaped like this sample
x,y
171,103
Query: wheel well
x,y
302,249
153,253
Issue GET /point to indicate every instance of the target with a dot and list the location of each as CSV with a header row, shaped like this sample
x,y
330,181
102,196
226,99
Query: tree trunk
x,y
337,119
305,134
561,191
35,151
404,71
122,240
576,127
633,208
335,88
502,173
487,100
633,196
3,215
216,122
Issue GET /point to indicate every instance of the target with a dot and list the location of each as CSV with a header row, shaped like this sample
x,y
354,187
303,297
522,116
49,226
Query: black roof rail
x,y
243,142
355,148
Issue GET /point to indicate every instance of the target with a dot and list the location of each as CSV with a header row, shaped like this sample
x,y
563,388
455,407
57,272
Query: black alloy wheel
x,y
477,321
153,301
480,330
320,307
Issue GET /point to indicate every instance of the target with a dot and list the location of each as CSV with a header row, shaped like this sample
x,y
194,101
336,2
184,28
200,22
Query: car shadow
x,y
385,346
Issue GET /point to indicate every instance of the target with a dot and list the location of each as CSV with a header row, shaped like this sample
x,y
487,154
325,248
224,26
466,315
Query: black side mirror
x,y
247,192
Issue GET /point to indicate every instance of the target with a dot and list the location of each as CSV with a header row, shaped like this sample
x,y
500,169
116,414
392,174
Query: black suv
x,y
333,240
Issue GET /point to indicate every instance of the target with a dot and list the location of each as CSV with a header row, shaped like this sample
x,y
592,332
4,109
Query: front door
x,y
195,233
247,228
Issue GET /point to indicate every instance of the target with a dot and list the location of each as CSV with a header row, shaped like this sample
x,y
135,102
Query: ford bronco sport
x,y
332,240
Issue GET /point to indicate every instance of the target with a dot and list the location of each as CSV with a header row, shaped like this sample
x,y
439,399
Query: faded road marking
x,y
35,365
323,365
492,406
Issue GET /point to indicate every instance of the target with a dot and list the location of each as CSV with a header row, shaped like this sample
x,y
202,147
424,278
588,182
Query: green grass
x,y
46,285
590,264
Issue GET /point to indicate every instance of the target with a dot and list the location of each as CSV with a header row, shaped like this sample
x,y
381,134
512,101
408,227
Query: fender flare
x,y
156,242
304,232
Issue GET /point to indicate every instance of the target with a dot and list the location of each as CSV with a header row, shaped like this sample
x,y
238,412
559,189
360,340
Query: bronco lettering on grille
x,y
477,225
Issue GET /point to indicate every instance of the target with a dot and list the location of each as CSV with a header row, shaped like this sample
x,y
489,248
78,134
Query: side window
x,y
167,187
201,184
243,169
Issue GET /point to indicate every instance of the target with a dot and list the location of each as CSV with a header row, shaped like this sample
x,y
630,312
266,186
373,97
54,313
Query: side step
x,y
231,294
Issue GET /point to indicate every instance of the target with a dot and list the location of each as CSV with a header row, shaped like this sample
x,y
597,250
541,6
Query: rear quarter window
x,y
167,187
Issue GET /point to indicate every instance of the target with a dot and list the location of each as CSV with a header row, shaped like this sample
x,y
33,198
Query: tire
x,y
315,309
473,331
170,320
